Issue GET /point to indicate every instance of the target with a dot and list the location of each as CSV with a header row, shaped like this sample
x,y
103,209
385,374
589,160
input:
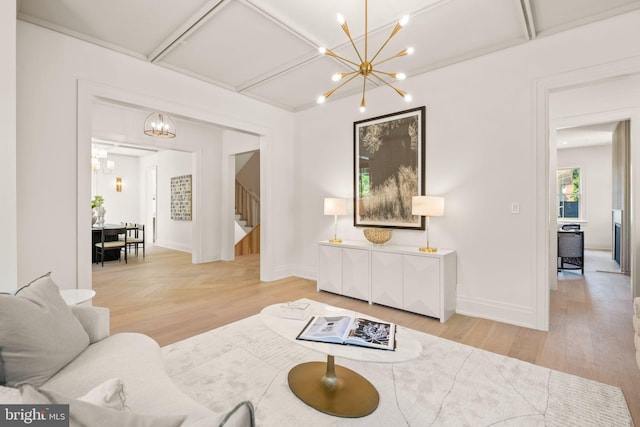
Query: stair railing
x,y
247,205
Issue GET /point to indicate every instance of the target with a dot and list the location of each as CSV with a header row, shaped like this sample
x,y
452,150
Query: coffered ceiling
x,y
268,49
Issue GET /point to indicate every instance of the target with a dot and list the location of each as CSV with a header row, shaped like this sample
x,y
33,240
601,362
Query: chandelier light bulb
x,y
363,108
322,50
336,77
408,98
321,99
401,76
404,20
340,19
410,51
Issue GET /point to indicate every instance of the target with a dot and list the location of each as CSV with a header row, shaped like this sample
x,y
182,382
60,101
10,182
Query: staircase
x,y
243,224
249,244
248,218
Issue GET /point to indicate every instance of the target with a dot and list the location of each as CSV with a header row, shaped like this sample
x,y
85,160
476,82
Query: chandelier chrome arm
x,y
397,28
400,92
404,52
330,92
363,104
396,76
335,55
345,28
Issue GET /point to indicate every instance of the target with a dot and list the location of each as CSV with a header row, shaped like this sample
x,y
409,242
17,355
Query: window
x,y
569,196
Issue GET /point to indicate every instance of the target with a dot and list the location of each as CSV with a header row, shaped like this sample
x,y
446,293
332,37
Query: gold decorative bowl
x,y
377,236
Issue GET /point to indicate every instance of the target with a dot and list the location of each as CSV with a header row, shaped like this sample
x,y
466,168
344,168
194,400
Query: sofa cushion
x,y
86,414
39,334
137,361
94,320
109,394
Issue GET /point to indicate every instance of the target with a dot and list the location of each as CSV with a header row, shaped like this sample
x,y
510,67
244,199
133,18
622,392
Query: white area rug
x,y
450,384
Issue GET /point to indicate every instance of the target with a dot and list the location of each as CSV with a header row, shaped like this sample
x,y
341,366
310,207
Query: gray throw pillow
x,y
39,335
83,414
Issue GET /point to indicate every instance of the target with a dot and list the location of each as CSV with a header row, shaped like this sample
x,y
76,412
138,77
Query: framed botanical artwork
x,y
389,169
181,197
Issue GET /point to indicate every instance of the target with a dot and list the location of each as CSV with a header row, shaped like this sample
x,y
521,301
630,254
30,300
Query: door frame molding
x,y
545,224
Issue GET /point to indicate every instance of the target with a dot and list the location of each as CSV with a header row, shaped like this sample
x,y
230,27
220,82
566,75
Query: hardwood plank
x,y
168,298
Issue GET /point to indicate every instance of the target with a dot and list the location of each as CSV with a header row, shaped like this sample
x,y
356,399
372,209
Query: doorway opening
x,y
592,195
594,96
247,204
208,240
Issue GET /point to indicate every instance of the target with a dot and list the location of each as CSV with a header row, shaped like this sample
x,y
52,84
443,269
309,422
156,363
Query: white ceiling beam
x,y
194,22
609,13
297,32
527,19
77,35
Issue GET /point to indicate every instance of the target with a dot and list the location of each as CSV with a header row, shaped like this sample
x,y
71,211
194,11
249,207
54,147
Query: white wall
x,y
173,234
596,183
8,203
121,206
481,153
585,104
51,69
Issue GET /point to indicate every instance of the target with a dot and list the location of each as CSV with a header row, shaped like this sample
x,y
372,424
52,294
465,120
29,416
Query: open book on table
x,y
350,330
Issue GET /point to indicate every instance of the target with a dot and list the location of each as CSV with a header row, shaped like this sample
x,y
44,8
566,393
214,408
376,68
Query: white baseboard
x,y
174,246
309,273
281,272
494,310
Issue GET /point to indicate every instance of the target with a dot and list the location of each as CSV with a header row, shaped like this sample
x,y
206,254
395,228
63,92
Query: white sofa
x,y
135,360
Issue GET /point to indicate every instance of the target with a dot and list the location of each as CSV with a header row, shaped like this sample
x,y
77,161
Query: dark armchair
x,y
571,250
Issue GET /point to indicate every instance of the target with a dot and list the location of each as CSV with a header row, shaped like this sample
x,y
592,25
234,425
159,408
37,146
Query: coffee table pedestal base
x,y
334,390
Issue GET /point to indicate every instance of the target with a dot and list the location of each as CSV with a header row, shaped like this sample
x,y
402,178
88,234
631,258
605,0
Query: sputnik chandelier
x,y
367,68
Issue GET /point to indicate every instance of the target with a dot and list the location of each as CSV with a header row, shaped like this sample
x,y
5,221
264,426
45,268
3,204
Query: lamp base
x,y
335,240
428,249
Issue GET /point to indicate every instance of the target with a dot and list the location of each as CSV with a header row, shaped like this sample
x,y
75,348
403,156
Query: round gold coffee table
x,y
325,386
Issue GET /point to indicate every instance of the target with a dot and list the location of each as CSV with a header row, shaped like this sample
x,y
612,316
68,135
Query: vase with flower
x,y
97,205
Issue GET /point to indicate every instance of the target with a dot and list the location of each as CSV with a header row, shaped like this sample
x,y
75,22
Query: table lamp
x,y
335,207
427,206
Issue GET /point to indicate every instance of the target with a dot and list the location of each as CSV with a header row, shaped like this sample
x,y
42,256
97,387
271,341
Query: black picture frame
x,y
388,169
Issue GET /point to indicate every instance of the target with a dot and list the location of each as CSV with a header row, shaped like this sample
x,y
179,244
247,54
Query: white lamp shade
x,y
334,206
427,205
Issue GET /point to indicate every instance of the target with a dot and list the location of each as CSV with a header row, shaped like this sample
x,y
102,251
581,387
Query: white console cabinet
x,y
345,270
396,276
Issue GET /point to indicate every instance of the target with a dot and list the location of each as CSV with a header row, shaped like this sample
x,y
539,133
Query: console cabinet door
x,y
355,273
386,278
421,285
330,269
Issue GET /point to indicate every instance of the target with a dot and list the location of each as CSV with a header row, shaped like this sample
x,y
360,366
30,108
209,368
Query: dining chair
x,y
136,237
110,241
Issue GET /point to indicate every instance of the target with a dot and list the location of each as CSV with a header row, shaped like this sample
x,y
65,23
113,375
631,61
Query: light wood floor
x,y
169,299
